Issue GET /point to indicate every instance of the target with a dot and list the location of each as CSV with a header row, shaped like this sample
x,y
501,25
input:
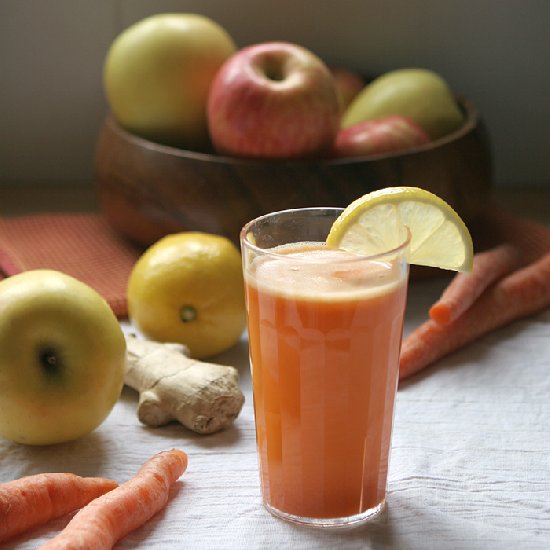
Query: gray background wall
x,y
497,52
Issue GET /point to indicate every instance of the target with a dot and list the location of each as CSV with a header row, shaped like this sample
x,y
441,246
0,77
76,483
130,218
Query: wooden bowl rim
x,y
471,121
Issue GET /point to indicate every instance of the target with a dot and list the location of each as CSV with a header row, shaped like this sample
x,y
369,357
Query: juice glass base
x,y
334,523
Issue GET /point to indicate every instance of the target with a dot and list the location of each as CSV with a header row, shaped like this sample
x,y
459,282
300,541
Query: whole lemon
x,y
188,288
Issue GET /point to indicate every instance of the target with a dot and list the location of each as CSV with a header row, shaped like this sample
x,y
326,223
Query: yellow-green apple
x,y
348,85
419,94
382,135
62,358
157,75
273,100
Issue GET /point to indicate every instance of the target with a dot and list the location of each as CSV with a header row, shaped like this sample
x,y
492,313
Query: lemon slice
x,y
375,222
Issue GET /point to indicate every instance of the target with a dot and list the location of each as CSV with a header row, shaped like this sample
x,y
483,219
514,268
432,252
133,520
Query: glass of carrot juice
x,y
325,329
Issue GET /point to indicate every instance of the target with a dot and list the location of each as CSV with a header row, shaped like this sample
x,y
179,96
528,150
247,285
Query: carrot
x,y
465,288
500,226
104,521
33,500
522,293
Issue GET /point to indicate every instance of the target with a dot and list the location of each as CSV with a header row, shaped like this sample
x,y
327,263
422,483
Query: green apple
x,y
157,76
418,94
62,358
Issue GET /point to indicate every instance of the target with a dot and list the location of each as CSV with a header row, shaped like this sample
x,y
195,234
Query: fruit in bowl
x,y
418,94
178,79
283,142
157,77
378,136
273,100
348,85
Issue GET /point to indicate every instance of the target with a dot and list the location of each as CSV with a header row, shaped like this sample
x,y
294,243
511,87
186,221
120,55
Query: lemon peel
x,y
375,223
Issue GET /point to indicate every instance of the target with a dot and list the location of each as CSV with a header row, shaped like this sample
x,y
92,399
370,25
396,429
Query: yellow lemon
x,y
188,288
374,223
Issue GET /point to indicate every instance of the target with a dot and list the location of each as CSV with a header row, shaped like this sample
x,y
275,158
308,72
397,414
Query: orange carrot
x,y
500,226
104,521
466,288
33,500
524,292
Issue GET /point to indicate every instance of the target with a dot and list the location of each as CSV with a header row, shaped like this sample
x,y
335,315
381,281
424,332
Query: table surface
x,y
470,464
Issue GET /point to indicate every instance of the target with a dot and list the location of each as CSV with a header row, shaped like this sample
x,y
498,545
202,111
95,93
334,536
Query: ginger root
x,y
204,397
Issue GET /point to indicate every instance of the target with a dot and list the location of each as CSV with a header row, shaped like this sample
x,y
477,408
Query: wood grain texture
x,y
147,190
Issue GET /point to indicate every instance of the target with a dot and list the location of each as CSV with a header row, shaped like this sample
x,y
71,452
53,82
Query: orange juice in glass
x,y
325,330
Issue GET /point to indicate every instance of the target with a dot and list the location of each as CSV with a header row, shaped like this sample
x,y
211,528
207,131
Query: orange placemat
x,y
81,245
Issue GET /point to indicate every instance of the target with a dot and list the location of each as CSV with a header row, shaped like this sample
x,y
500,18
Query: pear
x,y
419,94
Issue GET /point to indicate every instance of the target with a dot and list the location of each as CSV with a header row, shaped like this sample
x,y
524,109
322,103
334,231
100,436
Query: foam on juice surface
x,y
310,270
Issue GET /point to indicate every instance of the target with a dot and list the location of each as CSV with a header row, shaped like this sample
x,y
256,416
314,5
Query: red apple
x,y
378,136
348,85
273,100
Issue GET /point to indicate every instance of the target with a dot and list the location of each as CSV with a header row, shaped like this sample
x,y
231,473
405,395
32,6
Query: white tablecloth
x,y
470,466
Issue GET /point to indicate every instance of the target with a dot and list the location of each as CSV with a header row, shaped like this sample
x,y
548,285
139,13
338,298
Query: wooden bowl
x,y
147,190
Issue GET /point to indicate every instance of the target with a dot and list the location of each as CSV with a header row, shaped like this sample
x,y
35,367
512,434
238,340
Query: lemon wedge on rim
x,y
374,223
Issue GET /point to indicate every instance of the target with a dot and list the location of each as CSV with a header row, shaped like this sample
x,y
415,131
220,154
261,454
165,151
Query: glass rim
x,y
270,252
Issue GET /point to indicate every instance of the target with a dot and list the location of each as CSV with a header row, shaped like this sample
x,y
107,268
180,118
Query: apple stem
x,y
188,313
48,359
274,70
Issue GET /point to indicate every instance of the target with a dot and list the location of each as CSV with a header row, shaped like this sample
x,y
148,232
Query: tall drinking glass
x,y
325,329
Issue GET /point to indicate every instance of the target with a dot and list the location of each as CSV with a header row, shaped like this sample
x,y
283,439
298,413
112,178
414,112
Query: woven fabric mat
x,y
81,245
